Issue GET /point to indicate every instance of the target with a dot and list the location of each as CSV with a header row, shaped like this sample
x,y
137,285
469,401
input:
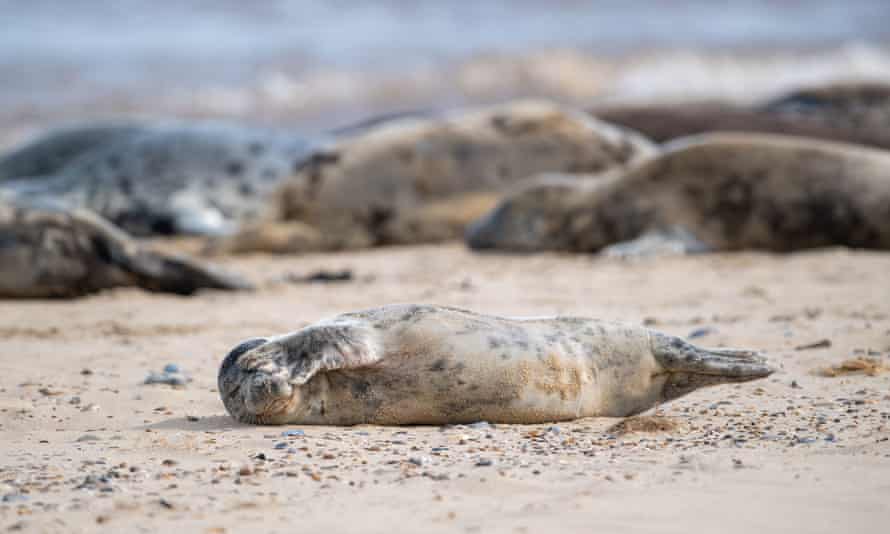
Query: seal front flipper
x,y
339,344
673,240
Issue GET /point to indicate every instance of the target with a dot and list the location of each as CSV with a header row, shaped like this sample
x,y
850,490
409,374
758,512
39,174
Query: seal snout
x,y
266,387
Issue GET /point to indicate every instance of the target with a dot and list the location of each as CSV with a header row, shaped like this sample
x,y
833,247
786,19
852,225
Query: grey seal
x,y
857,113
53,252
50,151
400,181
416,364
710,192
184,178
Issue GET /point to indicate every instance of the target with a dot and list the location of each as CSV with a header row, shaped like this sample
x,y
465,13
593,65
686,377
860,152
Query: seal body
x,y
857,113
188,178
412,364
390,182
664,123
728,191
861,107
48,153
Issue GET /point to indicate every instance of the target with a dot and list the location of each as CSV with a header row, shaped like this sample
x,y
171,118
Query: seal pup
x,y
709,192
411,364
199,179
374,185
52,252
48,153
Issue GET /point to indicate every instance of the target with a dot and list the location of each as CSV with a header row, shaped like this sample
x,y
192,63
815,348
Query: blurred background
x,y
321,64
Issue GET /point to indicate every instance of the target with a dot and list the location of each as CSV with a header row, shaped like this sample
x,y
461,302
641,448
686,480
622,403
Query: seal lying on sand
x,y
180,179
373,187
47,252
667,122
50,152
858,106
409,364
712,192
856,113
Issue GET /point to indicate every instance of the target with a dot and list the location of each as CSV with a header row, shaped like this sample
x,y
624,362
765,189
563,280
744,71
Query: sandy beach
x,y
87,446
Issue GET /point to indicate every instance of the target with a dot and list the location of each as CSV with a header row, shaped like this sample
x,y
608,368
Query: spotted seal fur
x,y
49,152
186,178
710,192
413,364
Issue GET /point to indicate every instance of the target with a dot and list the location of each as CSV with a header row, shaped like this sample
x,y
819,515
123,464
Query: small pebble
x,y
171,368
170,379
88,437
484,462
281,445
293,433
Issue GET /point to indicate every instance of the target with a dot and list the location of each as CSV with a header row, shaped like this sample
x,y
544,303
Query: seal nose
x,y
278,387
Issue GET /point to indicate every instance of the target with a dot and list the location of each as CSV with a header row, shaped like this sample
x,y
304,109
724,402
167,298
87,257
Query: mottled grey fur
x,y
50,152
178,179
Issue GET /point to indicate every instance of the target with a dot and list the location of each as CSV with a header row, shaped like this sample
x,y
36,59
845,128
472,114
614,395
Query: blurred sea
x,y
326,62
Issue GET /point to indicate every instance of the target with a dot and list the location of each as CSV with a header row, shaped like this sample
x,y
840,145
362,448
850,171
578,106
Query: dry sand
x,y
87,447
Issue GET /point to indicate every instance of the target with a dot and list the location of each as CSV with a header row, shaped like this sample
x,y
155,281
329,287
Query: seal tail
x,y
722,364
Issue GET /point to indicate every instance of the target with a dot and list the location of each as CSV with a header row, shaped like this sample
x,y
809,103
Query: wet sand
x,y
86,446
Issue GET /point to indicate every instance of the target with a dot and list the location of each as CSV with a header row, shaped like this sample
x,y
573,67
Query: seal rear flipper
x,y
179,274
732,365
658,242
690,368
152,270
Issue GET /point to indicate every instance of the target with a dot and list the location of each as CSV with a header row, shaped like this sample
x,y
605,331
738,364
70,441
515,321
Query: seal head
x,y
254,389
